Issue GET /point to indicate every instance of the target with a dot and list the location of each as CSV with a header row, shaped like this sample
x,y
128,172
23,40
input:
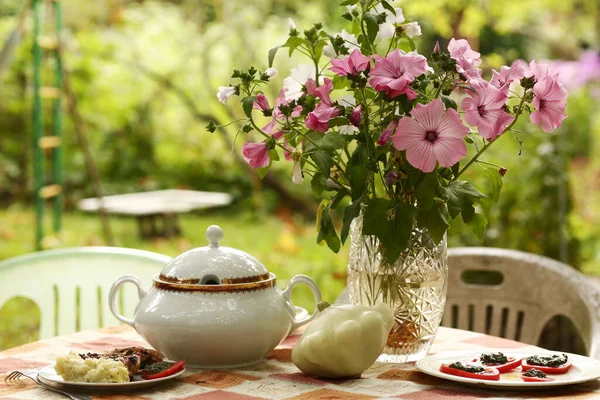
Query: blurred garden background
x,y
145,74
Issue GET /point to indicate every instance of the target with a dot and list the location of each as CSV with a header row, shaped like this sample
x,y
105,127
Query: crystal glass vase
x,y
414,287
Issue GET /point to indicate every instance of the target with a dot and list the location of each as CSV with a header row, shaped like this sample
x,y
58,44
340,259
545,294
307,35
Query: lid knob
x,y
214,234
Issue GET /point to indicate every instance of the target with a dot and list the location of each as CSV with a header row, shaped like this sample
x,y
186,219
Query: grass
x,y
285,245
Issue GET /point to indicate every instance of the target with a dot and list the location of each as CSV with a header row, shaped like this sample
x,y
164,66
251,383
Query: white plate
x,y
584,369
49,376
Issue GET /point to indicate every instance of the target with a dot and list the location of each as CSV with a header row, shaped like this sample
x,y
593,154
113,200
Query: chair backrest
x,y
70,286
513,294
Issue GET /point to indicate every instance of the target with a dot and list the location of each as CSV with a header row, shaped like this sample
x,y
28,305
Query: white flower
x,y
271,72
291,24
350,42
298,77
224,93
388,28
351,9
297,177
348,129
412,29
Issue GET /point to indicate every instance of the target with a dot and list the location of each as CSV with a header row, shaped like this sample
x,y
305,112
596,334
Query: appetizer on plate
x,y
554,364
117,366
535,375
473,371
499,361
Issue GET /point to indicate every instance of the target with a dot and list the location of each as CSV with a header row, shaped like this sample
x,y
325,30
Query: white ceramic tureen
x,y
215,307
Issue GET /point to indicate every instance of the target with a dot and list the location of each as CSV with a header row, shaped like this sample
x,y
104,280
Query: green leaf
x,y
340,82
436,220
293,42
461,196
332,141
318,184
349,3
455,168
388,7
351,212
272,54
412,44
338,121
391,223
425,190
337,199
327,232
478,225
448,102
247,103
262,172
495,179
357,172
313,137
324,162
273,155
372,26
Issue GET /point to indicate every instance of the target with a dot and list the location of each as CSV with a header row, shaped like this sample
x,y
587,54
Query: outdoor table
x,y
156,211
275,377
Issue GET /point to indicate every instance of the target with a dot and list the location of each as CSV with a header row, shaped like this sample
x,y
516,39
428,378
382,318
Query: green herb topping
x,y
493,359
466,367
547,361
534,373
157,367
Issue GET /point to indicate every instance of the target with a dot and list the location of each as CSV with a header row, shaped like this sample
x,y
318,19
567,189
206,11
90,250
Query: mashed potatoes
x,y
98,370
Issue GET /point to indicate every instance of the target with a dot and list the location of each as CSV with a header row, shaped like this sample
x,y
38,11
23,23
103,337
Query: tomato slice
x,y
490,374
509,366
176,367
562,369
534,379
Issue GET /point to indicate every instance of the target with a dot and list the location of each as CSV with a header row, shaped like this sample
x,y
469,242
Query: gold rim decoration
x,y
186,285
226,281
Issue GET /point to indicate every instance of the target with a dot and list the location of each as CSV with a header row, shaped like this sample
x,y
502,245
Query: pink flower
x,y
485,110
539,71
318,120
466,59
394,73
432,136
323,91
386,135
282,100
502,80
354,64
256,154
311,86
549,102
356,115
261,103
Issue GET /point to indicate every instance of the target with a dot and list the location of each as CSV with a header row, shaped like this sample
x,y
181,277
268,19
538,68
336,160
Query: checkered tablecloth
x,y
275,377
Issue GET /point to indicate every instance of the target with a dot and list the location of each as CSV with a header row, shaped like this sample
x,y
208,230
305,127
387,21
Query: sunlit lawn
x,y
286,246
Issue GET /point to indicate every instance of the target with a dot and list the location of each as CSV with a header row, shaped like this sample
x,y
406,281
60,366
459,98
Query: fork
x,y
33,375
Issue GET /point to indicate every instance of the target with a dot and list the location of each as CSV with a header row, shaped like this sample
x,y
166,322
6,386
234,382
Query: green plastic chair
x,y
70,286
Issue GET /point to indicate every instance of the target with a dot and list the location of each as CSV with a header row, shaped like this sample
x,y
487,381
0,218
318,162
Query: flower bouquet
x,y
373,121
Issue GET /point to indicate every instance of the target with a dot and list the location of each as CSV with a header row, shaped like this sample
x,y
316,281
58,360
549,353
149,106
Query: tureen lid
x,y
214,264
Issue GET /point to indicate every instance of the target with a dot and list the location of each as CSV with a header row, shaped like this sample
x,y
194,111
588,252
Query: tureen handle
x,y
112,297
287,294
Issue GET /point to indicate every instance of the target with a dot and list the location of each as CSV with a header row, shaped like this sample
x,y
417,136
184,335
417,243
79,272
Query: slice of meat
x,y
147,356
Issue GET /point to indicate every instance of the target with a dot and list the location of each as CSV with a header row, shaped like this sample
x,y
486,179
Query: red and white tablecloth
x,y
275,377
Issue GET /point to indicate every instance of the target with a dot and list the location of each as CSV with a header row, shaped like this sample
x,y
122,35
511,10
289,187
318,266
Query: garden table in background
x,y
275,377
157,211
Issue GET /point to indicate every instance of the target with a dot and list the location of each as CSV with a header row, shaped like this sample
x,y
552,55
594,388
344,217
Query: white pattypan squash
x,y
344,340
